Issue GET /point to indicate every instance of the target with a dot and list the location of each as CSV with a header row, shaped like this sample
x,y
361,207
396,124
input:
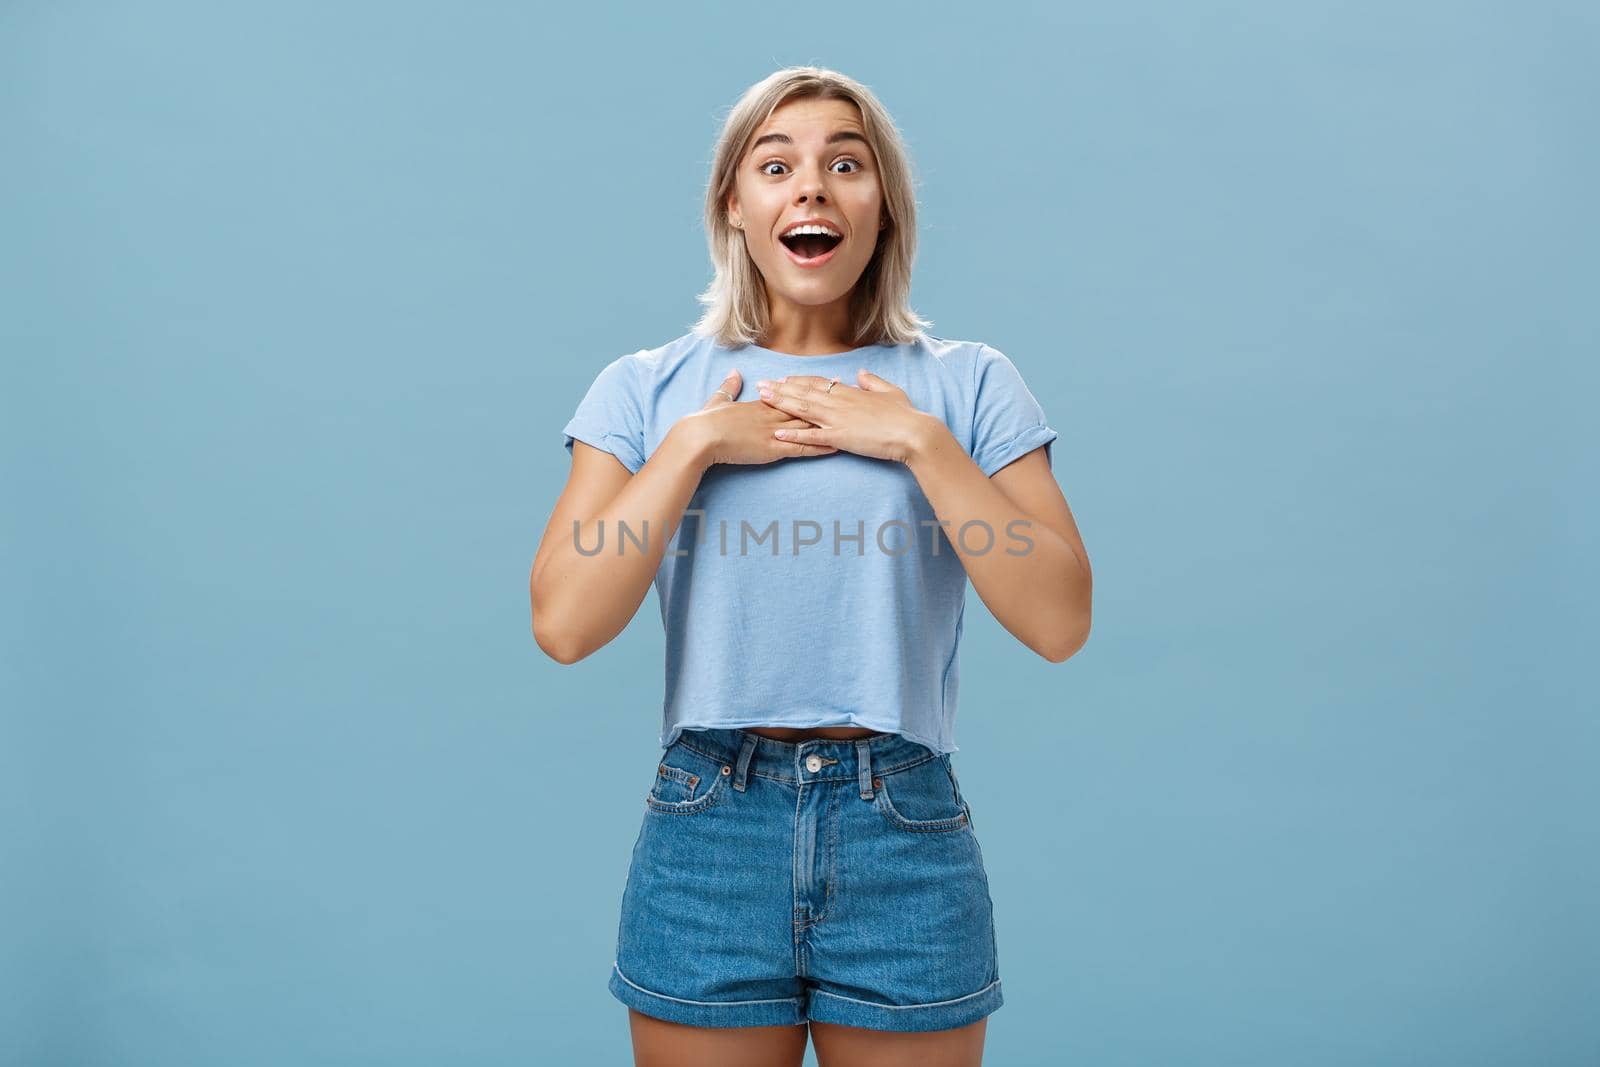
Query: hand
x,y
875,420
742,432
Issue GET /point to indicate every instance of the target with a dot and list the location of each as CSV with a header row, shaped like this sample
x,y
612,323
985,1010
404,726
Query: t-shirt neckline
x,y
851,354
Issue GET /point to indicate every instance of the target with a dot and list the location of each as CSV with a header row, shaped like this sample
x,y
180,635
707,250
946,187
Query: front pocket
x,y
921,799
674,784
686,782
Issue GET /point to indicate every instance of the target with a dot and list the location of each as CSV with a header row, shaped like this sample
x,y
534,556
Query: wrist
x,y
929,436
689,441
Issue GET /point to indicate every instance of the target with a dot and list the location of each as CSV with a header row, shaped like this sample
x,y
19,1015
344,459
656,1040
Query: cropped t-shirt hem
x,y
741,724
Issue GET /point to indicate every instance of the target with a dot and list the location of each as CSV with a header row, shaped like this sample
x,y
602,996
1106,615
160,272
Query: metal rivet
x,y
727,770
877,783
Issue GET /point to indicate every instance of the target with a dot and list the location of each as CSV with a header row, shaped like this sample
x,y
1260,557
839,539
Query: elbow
x,y
555,641
559,651
1070,637
557,646
1068,646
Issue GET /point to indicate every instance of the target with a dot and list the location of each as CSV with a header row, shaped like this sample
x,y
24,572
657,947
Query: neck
x,y
808,331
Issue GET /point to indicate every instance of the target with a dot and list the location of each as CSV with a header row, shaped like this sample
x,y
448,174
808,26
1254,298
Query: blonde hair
x,y
736,306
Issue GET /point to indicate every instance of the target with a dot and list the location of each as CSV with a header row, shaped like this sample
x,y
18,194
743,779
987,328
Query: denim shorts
x,y
775,882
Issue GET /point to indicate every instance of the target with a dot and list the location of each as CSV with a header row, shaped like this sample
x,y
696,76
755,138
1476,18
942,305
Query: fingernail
x,y
763,384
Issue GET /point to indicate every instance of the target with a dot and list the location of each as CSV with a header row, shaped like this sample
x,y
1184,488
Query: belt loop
x,y
864,766
745,752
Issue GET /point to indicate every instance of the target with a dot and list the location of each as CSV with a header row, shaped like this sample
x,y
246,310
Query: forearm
x,y
1026,573
598,570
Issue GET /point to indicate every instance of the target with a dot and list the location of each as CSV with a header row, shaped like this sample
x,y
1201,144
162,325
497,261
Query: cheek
x,y
869,237
866,219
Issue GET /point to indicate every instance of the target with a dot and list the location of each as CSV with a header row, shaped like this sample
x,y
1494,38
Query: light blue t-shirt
x,y
815,590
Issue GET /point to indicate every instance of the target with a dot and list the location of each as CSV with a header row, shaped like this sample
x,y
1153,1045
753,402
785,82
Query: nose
x,y
811,189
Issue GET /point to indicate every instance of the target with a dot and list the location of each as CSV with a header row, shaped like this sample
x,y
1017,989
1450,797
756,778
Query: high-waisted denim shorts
x,y
774,882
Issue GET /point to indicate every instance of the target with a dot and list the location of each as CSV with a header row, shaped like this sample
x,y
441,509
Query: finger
x,y
810,450
730,385
804,435
797,385
789,378
811,379
874,384
791,404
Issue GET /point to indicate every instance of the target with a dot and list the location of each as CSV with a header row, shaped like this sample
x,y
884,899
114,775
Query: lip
x,y
817,221
810,264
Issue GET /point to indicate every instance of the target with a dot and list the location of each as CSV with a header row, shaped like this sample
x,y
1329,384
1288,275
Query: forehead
x,y
800,117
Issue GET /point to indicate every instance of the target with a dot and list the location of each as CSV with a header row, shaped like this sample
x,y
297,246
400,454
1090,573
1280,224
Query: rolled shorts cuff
x,y
941,1015
782,1011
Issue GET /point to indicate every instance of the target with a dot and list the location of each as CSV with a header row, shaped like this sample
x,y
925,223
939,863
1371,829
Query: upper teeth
x,y
794,231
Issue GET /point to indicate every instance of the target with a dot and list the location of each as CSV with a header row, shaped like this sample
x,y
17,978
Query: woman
x,y
833,475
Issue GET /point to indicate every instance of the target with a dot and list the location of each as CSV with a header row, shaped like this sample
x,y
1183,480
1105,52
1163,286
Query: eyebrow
x,y
833,138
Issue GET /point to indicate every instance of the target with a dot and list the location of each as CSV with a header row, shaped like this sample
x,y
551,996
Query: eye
x,y
841,159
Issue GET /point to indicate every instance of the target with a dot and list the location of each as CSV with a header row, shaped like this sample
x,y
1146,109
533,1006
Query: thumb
x,y
730,385
871,382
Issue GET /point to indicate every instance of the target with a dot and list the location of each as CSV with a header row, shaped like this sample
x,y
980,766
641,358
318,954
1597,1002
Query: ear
x,y
731,209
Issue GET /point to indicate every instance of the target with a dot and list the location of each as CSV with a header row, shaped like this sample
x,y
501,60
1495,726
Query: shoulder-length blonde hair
x,y
736,304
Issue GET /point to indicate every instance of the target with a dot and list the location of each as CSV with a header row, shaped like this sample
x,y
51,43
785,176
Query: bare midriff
x,y
825,733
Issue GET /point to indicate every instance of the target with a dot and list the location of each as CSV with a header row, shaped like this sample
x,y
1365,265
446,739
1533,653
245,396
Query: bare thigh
x,y
853,1046
659,1043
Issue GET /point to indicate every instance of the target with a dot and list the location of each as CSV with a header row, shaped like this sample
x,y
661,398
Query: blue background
x,y
297,297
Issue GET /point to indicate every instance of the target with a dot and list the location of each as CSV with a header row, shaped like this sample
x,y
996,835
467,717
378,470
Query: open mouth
x,y
811,246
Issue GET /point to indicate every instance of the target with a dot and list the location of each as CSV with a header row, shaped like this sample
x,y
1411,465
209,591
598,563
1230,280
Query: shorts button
x,y
813,763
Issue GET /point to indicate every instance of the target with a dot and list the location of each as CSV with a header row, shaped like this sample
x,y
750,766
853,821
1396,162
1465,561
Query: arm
x,y
1043,596
1013,530
580,602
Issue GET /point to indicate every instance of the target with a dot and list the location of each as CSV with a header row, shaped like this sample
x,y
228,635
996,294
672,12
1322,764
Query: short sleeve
x,y
1007,421
611,415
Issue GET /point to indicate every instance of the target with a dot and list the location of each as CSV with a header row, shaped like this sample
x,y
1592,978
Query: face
x,y
811,159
